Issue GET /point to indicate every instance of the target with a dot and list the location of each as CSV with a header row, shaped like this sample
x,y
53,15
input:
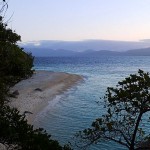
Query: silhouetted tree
x,y
126,105
15,64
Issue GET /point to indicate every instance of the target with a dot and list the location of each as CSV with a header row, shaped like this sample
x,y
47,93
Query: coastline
x,y
43,86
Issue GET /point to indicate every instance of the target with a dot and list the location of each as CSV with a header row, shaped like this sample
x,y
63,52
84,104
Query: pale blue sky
x,y
69,20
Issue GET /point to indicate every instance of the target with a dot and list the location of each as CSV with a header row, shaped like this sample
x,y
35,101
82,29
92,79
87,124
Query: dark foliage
x,y
17,133
15,64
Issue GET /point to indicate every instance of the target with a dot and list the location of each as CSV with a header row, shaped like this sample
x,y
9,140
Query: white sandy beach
x,y
47,85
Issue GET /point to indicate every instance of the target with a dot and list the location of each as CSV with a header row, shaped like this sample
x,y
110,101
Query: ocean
x,y
77,108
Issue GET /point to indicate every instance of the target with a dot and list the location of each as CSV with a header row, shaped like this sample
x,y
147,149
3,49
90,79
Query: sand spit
x,y
35,92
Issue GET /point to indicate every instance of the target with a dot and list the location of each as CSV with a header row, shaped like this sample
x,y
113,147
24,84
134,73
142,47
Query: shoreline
x,y
36,91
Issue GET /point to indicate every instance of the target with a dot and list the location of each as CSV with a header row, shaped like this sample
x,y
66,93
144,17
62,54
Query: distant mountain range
x,y
87,48
139,52
80,46
45,52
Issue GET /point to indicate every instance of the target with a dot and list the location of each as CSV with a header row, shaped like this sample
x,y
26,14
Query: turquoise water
x,y
77,108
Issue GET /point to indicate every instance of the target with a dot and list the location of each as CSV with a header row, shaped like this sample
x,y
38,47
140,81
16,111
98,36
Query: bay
x,y
77,108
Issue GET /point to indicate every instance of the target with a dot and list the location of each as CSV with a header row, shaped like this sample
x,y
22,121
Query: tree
x,y
126,105
15,63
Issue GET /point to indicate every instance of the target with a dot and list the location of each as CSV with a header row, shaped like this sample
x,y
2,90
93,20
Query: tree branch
x,y
117,141
125,138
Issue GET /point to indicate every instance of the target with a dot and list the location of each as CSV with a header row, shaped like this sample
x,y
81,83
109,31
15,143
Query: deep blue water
x,y
77,108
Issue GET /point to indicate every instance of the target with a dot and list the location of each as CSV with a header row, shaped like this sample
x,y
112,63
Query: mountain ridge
x,y
79,46
46,52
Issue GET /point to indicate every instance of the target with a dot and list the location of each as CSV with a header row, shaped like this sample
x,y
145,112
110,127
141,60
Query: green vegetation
x,y
16,65
126,105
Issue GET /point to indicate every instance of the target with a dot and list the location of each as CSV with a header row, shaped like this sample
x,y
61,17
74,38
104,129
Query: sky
x,y
75,20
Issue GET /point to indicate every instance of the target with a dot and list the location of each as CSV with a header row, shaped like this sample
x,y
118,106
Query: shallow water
x,y
77,108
